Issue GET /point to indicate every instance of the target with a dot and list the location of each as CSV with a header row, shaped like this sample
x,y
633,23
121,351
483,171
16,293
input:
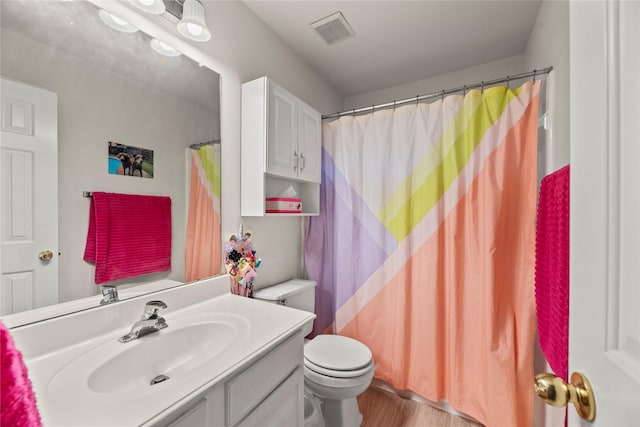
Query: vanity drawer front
x,y
248,389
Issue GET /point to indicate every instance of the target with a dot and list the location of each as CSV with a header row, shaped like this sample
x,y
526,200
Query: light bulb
x,y
150,6
118,20
195,29
192,24
163,48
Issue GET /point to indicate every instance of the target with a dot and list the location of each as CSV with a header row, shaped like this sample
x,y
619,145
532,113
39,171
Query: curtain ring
x,y
464,91
373,108
353,112
482,87
417,96
534,75
508,82
442,95
394,104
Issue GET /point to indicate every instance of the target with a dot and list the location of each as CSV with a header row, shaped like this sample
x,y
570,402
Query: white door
x,y
28,198
309,143
604,331
282,140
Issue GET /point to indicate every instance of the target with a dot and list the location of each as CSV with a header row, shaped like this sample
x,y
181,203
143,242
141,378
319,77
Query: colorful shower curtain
x,y
203,247
425,244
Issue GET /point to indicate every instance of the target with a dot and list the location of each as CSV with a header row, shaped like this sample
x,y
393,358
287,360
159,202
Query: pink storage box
x,y
283,205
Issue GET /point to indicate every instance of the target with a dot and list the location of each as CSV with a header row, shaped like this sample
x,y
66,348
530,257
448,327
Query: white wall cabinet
x,y
281,148
267,392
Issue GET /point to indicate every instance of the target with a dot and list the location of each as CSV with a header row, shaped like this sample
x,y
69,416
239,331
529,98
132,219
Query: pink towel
x,y
17,401
129,235
552,270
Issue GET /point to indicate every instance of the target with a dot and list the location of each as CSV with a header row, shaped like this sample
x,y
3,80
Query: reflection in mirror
x,y
112,88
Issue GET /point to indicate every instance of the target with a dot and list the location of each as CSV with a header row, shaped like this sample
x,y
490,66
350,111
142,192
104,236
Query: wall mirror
x,y
112,87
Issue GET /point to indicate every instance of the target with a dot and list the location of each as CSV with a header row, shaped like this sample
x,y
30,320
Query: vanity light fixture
x,y
164,49
192,24
150,6
116,22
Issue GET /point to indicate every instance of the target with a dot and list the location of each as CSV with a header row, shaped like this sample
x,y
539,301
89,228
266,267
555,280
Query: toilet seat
x,y
335,373
337,382
337,356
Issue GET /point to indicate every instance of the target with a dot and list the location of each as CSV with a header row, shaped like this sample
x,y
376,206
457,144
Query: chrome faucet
x,y
149,322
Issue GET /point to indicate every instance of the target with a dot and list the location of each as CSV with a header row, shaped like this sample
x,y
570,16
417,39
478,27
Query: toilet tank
x,y
296,293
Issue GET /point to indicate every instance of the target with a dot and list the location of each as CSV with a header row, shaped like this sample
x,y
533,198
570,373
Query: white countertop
x,y
268,323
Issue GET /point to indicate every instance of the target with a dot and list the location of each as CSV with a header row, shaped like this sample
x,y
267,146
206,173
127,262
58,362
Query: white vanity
x,y
230,361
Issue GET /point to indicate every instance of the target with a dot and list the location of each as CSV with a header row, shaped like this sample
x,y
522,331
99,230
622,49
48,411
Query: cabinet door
x,y
284,407
282,131
309,142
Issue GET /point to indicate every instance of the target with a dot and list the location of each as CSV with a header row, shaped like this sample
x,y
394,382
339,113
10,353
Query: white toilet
x,y
336,369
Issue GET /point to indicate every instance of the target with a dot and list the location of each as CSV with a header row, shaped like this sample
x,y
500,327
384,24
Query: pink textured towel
x,y
129,235
552,270
17,401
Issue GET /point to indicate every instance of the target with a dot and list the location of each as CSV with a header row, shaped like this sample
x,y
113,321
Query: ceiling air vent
x,y
333,28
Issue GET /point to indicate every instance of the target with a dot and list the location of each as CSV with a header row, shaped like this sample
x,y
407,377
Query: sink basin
x,y
117,370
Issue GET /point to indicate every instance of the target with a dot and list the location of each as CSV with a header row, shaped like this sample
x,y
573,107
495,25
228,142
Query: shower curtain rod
x,y
419,98
202,144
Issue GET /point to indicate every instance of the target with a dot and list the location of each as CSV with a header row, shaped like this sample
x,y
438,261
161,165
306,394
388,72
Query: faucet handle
x,y
109,294
152,308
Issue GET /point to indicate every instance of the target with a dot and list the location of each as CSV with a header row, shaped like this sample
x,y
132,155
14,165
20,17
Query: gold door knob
x,y
555,392
45,255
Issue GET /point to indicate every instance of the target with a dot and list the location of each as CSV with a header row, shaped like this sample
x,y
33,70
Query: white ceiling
x,y
398,42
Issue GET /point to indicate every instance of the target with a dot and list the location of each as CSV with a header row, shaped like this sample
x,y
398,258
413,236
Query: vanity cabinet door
x,y
256,384
196,416
284,407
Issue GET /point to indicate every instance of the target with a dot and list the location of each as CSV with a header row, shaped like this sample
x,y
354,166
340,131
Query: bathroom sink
x,y
152,362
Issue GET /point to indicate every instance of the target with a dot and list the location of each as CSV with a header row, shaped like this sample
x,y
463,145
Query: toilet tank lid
x,y
284,290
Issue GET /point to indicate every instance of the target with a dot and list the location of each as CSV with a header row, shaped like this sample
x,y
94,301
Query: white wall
x,y
246,49
96,106
478,73
549,45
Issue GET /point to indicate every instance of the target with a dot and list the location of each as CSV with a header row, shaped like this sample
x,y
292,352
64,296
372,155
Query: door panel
x,y
604,334
29,198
